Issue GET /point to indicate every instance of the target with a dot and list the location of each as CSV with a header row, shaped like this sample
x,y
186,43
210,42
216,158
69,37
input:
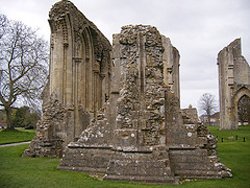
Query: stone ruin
x,y
234,83
79,81
115,111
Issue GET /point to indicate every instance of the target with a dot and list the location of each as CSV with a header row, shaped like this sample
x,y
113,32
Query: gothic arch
x,y
243,91
75,72
240,93
86,72
91,67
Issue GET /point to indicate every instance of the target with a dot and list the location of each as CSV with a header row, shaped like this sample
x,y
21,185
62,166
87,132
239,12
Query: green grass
x,y
18,135
17,171
235,154
231,135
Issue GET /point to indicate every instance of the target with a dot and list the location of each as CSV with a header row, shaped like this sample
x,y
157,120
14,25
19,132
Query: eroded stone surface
x,y
144,138
121,117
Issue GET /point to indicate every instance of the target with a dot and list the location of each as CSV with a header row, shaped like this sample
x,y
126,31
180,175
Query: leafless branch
x,y
23,61
207,104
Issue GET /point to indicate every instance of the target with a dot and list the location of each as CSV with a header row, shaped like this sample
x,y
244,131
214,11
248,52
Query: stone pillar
x,y
171,60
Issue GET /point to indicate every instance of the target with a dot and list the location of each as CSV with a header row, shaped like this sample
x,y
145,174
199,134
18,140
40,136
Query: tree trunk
x,y
248,113
248,118
209,121
10,125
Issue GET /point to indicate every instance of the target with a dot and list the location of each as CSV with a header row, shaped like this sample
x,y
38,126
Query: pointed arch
x,y
243,91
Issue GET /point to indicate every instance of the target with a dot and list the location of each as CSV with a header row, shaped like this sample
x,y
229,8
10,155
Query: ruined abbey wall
x,y
79,80
234,82
115,111
143,138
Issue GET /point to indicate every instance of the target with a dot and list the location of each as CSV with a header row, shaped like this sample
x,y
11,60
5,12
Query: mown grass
x,y
235,153
18,135
231,135
17,171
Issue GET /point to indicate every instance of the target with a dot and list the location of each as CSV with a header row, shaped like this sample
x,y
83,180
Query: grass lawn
x,y
18,135
16,171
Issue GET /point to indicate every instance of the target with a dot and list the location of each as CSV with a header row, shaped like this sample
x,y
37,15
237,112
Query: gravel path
x,y
14,144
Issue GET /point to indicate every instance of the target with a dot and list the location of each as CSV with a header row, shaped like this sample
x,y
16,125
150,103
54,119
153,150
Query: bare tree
x,y
23,65
207,104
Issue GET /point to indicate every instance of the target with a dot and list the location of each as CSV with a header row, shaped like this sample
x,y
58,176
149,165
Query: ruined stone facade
x,y
129,114
234,83
79,81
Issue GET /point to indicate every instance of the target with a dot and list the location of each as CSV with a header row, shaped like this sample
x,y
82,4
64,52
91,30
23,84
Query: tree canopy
x,y
24,65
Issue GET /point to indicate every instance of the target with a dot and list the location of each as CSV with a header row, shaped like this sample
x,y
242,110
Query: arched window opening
x,y
244,110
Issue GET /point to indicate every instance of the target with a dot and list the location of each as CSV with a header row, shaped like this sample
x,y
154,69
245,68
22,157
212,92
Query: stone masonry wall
x,y
145,138
234,77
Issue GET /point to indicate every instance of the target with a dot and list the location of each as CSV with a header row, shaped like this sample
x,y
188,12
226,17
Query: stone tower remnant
x,y
234,83
131,122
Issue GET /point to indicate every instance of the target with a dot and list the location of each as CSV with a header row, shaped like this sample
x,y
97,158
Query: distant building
x,y
214,119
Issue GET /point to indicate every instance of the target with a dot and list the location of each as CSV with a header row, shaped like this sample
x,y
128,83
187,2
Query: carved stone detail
x,y
79,67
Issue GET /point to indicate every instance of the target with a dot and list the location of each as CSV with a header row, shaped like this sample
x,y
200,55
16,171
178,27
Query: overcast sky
x,y
199,29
